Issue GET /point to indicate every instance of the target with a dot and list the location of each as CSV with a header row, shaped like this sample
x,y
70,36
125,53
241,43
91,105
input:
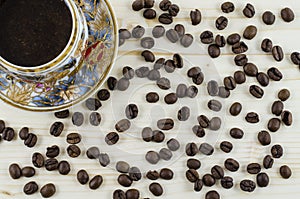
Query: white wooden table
x,y
132,149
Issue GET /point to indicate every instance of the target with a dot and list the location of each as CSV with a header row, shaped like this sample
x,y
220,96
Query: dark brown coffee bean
x,y
295,58
123,84
227,182
241,60
262,180
163,83
112,138
124,180
277,108
93,153
274,124
30,188
214,51
264,138
147,134
208,180
95,119
207,37
148,3
28,172
192,91
223,92
124,34
233,38
181,90
138,32
96,182
227,7
153,75
198,131
198,79
217,172
149,13
64,167
104,159
165,154
263,79
239,48
173,10
192,175
171,98
132,194
148,56
122,167
104,94
266,45
247,185
165,124
131,111
221,23
56,129
77,119
229,83
8,134
122,125
152,157
173,144
166,174
180,29
215,123
31,140
287,118
119,194
220,41
52,151
73,151
277,151
198,185
206,149
250,69
137,5
284,94
23,133
193,163
287,15
183,114
15,171
111,83
93,104
164,5
268,162
285,172
159,63
48,190
249,10
236,133
195,17
128,73
158,136
252,117
250,32
253,168
214,105
268,18
156,189
203,121
169,66
235,109
226,146
165,18
231,165
277,53
212,195
51,164
152,175
275,74
37,160
212,88
172,35
256,91
147,42
186,40
83,177
62,114
191,149
239,77
178,61
73,138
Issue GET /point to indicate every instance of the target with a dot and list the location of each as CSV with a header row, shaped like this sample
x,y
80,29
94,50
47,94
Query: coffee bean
x,y
82,177
172,35
147,134
138,32
163,83
193,163
264,138
226,146
137,5
37,160
277,53
239,77
142,72
62,114
252,117
236,133
235,109
241,60
195,17
77,119
287,118
148,3
119,194
131,111
180,29
111,83
287,15
253,168
208,180
15,171
186,40
220,41
233,38
173,10
192,175
192,91
93,104
250,32
132,194
239,47
206,149
169,66
159,63
128,72
122,167
217,172
165,18
268,162
232,165
215,123
48,190
173,144
152,157
73,151
198,131
30,188
96,182
277,151
266,45
207,37
104,159
268,18
64,167
171,98
295,58
156,189
51,164
274,124
285,172
191,149
214,51
95,119
148,56
153,75
183,114
247,185
221,23
227,7
135,173
152,175
147,42
122,125
149,13
158,136
212,88
52,151
203,121
121,42
165,124
111,138
284,94
123,84
229,83
166,174
124,34
198,185
212,195
256,91
262,180
178,61
277,108
223,92
274,74
227,182
28,172
8,134
164,5
124,180
73,138
263,79
165,154
23,133
181,90
31,140
249,10
198,79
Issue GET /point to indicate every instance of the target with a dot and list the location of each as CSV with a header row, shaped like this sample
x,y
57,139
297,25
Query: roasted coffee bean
x,y
122,167
152,157
148,3
274,74
8,134
31,140
73,138
263,79
212,88
158,136
77,119
62,114
183,114
30,188
148,56
96,182
95,119
73,151
172,35
220,41
52,151
208,180
51,164
149,13
192,91
169,66
37,160
232,165
147,134
163,83
173,144
223,92
241,60
198,185
206,149
191,149
152,175
235,109
249,10
256,91
178,61
221,23
198,131
295,58
262,180
195,17
93,104
193,163
131,111
239,48
203,121
180,29
138,32
227,182
285,172
28,172
104,159
166,174
239,77
23,133
147,42
124,34
217,172
207,37
277,53
171,98
214,51
226,146
233,38
124,180
156,189
287,15
128,72
165,154
165,124
132,194
142,72
122,125
112,83
181,90
212,195
215,123
266,45
229,83
164,5
48,190
135,173
121,41
264,138
227,7
119,194
236,133
198,79
83,177
268,18
123,84
284,94
268,162
64,167
277,151
173,10
112,138
93,153
159,63
165,18
153,75
15,171
287,118
274,124
252,117
192,175
277,108
186,40
250,32
253,168
247,185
